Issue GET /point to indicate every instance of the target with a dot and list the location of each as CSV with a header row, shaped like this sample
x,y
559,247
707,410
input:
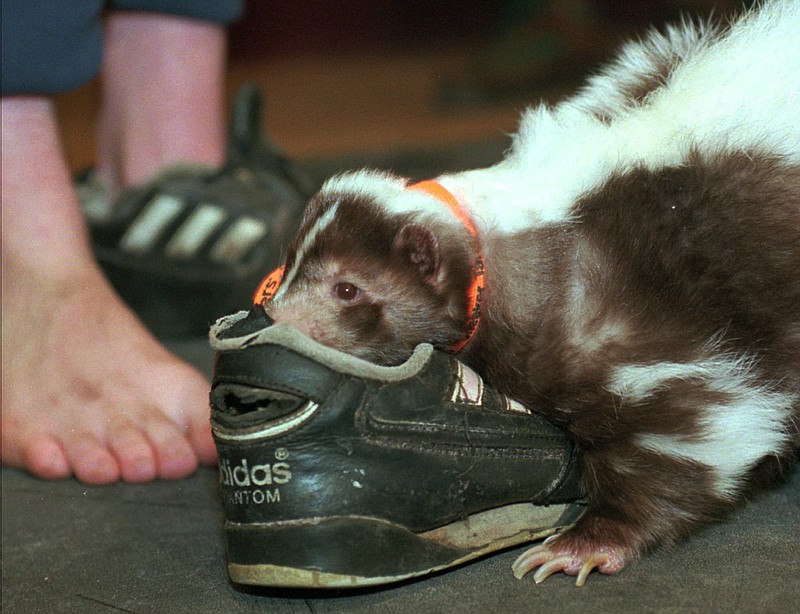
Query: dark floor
x,y
159,547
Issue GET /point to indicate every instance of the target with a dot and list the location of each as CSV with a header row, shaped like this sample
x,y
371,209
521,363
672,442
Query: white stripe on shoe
x,y
189,238
147,227
234,244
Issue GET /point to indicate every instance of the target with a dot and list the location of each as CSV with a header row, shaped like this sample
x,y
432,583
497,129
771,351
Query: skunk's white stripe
x,y
638,382
370,184
321,224
726,91
729,92
389,192
607,93
737,434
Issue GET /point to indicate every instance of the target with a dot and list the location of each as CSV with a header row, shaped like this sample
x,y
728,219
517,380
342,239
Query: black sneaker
x,y
336,472
190,245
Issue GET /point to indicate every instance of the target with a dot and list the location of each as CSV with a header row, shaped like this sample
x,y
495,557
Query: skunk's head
x,y
375,269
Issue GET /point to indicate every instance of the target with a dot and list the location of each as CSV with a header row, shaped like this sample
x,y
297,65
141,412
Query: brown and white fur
x,y
642,250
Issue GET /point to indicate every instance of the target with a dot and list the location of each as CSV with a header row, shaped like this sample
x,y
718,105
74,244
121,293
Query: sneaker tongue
x,y
256,320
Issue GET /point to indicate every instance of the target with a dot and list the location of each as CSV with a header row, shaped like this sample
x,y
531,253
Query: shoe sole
x,y
352,552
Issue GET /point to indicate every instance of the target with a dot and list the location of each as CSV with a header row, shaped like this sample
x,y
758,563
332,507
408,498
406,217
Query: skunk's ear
x,y
419,246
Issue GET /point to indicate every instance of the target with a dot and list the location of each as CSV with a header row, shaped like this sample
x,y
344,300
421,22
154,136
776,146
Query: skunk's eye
x,y
346,291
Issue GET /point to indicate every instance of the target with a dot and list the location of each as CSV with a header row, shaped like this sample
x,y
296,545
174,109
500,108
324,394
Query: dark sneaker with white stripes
x,y
190,245
338,473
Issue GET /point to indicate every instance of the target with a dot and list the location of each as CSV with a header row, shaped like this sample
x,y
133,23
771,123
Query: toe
x,y
175,457
91,461
594,561
529,560
203,443
44,458
187,408
134,454
559,563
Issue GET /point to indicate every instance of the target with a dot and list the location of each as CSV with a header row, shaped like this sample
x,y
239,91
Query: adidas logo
x,y
243,475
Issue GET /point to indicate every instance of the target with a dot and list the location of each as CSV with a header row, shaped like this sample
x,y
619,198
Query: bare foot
x,y
87,391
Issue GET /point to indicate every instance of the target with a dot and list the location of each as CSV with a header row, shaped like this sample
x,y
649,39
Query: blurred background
x,y
362,77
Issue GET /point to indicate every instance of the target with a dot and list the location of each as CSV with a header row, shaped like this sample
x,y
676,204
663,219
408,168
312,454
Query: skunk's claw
x,y
551,558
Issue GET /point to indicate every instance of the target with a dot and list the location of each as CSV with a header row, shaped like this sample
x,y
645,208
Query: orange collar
x,y
269,286
475,290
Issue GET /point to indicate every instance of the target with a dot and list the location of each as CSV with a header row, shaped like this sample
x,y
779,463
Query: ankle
x,y
43,227
153,115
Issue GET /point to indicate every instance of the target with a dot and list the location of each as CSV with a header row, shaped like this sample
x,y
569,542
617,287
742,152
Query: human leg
x,y
162,82
86,390
207,234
